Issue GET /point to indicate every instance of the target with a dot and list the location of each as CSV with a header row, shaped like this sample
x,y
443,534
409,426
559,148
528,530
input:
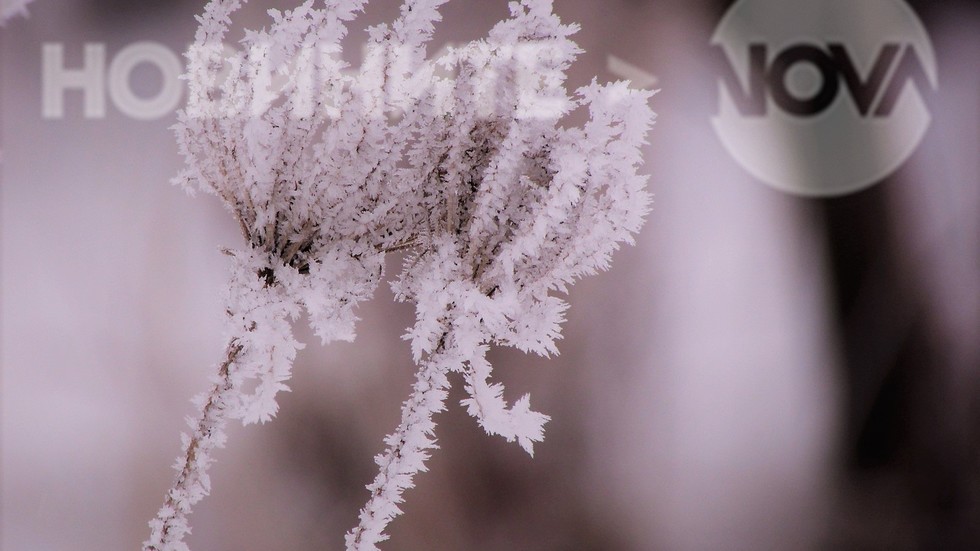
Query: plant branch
x,y
192,482
407,448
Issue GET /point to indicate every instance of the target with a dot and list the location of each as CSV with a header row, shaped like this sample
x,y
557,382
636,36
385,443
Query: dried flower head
x,y
327,169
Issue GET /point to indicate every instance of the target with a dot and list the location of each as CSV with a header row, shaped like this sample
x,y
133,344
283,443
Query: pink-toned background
x,y
760,372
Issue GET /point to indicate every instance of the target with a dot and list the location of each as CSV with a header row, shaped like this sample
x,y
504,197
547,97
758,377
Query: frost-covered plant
x,y
327,169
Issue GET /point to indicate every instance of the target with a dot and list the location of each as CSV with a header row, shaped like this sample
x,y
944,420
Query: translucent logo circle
x,y
822,98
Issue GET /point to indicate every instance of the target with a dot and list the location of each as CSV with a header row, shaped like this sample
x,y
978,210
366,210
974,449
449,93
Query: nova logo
x,y
835,68
822,98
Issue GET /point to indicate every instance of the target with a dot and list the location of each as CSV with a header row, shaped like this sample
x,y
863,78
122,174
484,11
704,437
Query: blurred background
x,y
762,371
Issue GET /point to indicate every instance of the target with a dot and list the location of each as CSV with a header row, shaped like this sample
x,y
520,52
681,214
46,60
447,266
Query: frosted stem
x,y
407,450
192,482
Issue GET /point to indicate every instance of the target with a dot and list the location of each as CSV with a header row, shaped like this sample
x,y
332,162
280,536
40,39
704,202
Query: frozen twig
x,y
192,481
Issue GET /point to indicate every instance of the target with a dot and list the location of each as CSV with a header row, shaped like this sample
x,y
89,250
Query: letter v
x,y
863,92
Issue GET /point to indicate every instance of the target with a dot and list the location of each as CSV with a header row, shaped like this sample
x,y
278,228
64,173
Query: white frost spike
x,y
487,404
326,169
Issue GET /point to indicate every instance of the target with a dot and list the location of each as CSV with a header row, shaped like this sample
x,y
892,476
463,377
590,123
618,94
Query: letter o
x,y
122,95
829,86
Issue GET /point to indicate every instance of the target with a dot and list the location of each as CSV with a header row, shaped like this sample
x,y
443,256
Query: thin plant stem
x,y
192,482
407,448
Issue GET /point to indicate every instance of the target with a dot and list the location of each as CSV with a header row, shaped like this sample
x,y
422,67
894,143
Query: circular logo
x,y
822,98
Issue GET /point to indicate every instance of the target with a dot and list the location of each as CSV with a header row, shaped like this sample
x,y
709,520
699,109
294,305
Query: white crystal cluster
x,y
328,168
